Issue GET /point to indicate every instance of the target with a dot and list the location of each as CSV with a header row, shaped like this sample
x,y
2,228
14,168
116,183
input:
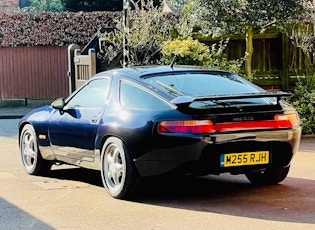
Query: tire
x,y
119,175
268,177
32,160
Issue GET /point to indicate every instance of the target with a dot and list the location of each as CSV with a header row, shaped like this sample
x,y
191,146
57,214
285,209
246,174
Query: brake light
x,y
287,120
189,126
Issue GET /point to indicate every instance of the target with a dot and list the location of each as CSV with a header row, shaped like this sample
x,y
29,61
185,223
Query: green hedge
x,y
304,102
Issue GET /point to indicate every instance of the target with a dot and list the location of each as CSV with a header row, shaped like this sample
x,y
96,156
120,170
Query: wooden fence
x,y
41,72
275,62
33,72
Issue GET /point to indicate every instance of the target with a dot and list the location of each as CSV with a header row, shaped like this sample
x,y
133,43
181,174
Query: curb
x,y
17,108
26,102
308,136
14,112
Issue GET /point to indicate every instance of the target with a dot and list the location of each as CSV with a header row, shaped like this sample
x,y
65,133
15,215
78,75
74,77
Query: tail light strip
x,y
282,121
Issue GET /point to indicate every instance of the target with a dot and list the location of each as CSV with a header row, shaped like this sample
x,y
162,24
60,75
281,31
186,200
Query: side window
x,y
92,95
137,98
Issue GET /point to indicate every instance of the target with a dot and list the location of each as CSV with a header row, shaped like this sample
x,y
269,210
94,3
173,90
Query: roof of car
x,y
136,72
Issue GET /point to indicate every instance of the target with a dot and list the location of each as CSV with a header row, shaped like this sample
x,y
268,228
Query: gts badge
x,y
247,118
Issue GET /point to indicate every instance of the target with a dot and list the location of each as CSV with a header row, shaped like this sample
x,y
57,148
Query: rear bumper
x,y
202,155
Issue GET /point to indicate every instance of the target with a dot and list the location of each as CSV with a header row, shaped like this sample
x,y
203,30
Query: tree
x,y
302,35
72,5
44,5
149,28
221,17
92,5
75,5
24,3
96,5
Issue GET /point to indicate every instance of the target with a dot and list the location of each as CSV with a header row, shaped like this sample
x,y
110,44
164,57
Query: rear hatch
x,y
225,101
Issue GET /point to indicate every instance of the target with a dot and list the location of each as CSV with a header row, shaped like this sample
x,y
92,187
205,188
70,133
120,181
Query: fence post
x,y
71,67
285,63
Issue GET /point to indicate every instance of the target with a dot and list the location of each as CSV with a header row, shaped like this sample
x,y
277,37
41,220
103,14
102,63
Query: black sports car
x,y
133,123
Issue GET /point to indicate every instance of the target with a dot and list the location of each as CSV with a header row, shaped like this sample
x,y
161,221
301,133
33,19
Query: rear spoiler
x,y
185,101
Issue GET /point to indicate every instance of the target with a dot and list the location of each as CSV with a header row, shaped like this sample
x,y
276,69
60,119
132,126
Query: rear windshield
x,y
207,84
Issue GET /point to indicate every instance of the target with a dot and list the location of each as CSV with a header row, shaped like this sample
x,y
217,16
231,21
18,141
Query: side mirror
x,y
58,104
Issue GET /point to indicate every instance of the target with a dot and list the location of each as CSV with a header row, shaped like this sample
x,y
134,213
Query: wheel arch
x,y
21,126
128,183
105,138
37,165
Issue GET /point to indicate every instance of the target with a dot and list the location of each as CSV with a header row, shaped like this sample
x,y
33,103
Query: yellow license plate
x,y
244,158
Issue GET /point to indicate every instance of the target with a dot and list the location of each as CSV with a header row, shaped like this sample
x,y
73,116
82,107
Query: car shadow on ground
x,y
291,201
12,217
92,177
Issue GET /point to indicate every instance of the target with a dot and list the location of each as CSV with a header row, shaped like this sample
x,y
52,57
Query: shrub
x,y
193,52
304,101
188,52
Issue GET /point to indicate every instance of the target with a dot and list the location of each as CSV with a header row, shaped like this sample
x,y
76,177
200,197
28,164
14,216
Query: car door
x,y
73,130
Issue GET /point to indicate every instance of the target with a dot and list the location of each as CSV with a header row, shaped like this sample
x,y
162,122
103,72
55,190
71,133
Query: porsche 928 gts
x,y
136,123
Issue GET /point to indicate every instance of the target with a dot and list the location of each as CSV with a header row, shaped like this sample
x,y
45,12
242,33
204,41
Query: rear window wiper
x,y
213,102
223,103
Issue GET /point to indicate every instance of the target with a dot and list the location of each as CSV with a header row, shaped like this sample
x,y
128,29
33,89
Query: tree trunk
x,y
48,5
249,52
